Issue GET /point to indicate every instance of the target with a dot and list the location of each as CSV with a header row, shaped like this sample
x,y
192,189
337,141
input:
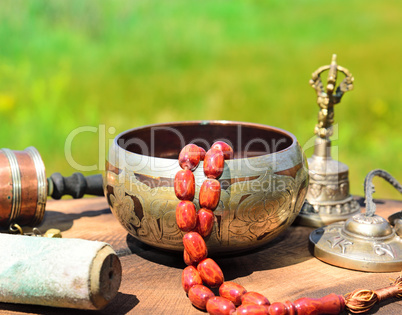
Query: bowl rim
x,y
210,122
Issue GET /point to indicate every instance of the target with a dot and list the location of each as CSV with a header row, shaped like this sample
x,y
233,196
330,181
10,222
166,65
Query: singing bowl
x,y
262,188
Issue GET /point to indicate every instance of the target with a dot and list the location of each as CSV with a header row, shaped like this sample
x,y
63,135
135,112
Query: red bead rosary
x,y
202,271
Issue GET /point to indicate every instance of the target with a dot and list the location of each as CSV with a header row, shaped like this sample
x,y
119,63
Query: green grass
x,y
123,64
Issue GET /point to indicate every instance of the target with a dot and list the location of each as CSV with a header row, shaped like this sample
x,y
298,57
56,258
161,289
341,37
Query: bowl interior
x,y
166,140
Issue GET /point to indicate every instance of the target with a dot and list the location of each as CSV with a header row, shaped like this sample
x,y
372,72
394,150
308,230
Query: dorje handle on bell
x,y
327,97
24,187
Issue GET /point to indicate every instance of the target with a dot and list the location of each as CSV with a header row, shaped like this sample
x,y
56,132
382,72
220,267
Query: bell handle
x,y
76,185
369,188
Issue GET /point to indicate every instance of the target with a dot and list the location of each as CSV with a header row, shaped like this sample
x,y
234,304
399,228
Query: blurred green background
x,y
124,64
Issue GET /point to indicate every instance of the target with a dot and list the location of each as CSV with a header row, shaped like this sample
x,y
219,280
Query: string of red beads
x,y
203,271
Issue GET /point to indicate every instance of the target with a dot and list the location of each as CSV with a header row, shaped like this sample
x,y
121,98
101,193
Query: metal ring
x,y
14,227
16,179
36,232
42,184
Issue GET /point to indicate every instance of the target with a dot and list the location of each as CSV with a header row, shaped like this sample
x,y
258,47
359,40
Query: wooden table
x,y
282,270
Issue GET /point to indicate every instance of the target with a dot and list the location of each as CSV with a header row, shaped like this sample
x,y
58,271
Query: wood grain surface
x,y
151,284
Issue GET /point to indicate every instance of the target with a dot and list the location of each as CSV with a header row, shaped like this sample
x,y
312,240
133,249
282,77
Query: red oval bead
x,y
202,153
225,148
254,298
232,291
189,277
186,216
184,185
187,259
210,273
330,304
220,306
291,310
277,308
205,222
199,296
189,157
252,309
210,193
195,246
213,163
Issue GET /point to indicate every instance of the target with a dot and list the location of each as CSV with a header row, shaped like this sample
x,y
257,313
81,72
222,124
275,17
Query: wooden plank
x,y
282,270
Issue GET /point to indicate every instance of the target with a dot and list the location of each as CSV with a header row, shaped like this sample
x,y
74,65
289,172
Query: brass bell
x,y
328,199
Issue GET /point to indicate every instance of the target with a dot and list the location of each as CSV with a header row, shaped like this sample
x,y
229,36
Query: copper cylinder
x,y
23,187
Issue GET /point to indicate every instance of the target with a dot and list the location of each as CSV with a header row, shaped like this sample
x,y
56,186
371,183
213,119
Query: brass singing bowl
x,y
262,188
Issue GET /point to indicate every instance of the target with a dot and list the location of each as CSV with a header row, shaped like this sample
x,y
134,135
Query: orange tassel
x,y
360,301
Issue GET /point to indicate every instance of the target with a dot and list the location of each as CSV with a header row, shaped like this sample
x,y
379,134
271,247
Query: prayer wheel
x,y
23,187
